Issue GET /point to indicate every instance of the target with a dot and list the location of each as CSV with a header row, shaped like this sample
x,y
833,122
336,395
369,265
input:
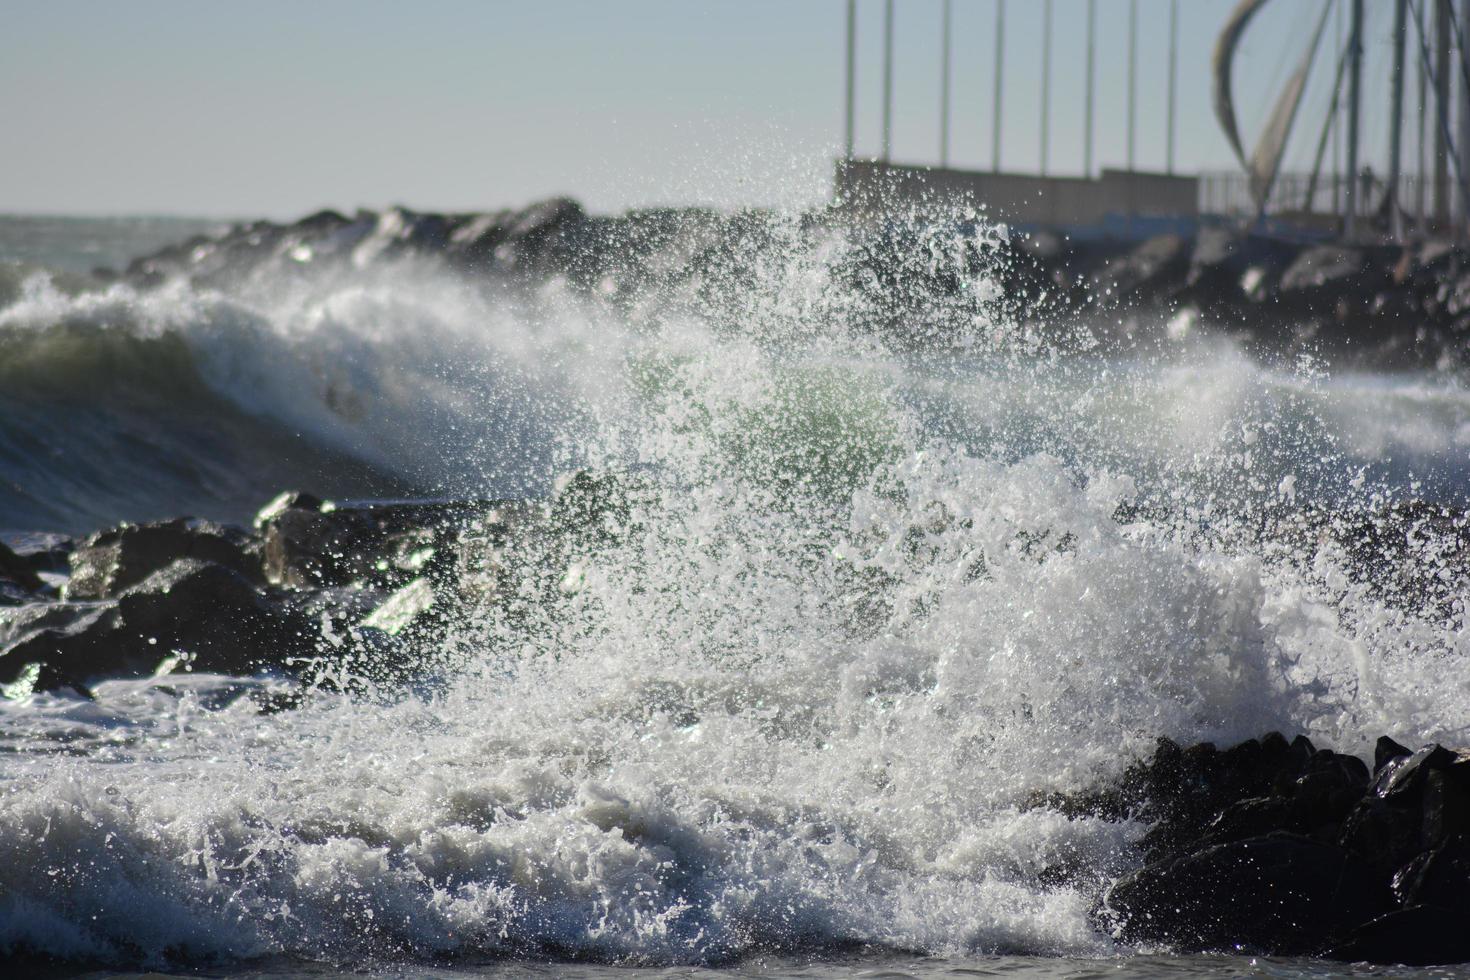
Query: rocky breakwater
x,y
1277,847
1375,304
1378,305
311,588
1271,846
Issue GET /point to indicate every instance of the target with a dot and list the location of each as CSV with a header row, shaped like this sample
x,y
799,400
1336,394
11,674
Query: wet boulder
x,y
309,544
1281,893
1421,935
1325,266
1228,269
19,581
189,615
400,230
541,236
1154,269
110,561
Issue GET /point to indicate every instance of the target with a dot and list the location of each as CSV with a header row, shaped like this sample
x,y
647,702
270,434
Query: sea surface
x,y
877,594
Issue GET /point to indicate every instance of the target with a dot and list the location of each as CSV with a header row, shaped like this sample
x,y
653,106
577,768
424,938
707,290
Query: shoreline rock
x,y
1391,306
1270,846
1278,848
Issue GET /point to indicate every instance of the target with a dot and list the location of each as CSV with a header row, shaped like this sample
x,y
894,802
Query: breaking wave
x,y
867,597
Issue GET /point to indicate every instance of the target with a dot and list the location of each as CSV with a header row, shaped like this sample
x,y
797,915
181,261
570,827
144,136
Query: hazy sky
x,y
271,107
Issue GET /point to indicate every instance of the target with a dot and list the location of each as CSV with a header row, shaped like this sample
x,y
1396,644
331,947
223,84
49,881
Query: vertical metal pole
x,y
1464,127
1338,205
1000,54
1173,82
1355,92
887,79
1091,78
1442,15
1132,81
849,118
944,82
1045,83
1396,117
1420,184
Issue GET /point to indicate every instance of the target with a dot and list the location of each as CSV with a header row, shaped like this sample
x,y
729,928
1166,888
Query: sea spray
x,y
863,563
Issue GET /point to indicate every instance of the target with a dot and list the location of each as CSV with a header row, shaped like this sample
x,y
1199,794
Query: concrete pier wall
x,y
868,187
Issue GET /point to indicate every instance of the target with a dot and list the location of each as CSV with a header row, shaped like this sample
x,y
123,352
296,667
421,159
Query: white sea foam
x,y
867,603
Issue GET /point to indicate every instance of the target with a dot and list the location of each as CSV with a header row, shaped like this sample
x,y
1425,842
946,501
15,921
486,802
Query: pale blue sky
x,y
272,107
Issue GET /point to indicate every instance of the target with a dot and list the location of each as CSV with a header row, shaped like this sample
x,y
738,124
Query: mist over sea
x,y
878,589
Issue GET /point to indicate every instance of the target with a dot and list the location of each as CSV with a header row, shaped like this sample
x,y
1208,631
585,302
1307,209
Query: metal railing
x,y
1229,194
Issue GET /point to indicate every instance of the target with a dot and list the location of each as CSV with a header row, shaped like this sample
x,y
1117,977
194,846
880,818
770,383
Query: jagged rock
x,y
17,573
401,230
1385,750
1281,893
513,241
44,551
405,608
1446,805
1382,835
199,615
383,544
1336,266
1152,269
1422,935
1440,876
1228,269
110,561
1279,847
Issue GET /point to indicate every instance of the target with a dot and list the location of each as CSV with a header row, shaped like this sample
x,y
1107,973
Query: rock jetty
x,y
1277,847
1384,306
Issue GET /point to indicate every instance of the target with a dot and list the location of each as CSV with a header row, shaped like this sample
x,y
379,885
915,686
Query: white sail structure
x,y
1264,163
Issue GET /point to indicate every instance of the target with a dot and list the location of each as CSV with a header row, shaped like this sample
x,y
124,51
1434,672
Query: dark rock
x,y
1440,876
198,615
1402,779
400,230
1254,817
1228,269
1335,266
1383,836
1386,750
17,571
1423,935
1446,805
110,561
1281,894
516,241
44,551
1153,269
385,544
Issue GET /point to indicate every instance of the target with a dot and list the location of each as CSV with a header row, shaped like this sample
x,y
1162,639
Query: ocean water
x,y
870,596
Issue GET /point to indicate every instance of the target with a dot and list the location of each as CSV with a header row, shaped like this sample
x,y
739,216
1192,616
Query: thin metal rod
x,y
1355,92
1464,128
1442,118
1420,184
1173,82
1000,51
887,80
1091,79
1046,20
1338,206
1442,15
849,118
1132,81
944,82
1396,117
1329,126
